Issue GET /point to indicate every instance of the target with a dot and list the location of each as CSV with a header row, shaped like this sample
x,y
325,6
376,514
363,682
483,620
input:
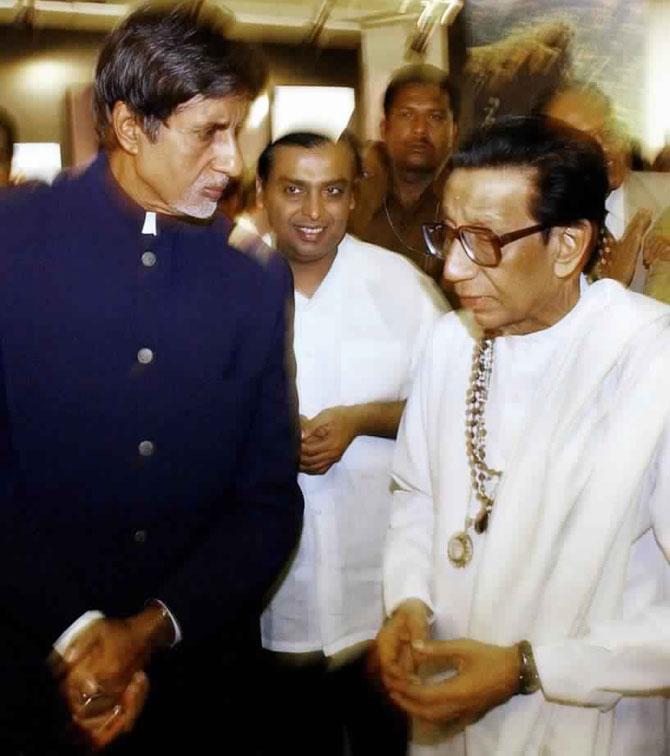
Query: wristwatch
x,y
529,680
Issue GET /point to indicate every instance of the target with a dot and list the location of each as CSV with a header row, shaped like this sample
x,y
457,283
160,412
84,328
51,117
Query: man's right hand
x,y
408,623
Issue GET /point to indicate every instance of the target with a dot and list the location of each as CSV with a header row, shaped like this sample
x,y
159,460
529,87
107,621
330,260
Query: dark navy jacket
x,y
204,521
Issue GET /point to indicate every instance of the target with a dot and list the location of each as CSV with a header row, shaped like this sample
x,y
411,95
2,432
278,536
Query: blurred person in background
x,y
371,186
656,253
586,107
419,130
662,160
362,315
7,141
148,445
530,527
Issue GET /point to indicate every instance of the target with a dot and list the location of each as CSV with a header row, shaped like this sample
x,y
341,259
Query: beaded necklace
x,y
483,478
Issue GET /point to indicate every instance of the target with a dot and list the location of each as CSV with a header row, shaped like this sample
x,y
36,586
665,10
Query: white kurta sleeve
x,y
631,655
408,553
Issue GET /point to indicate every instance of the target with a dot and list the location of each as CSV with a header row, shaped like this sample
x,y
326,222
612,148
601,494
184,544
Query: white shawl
x,y
570,491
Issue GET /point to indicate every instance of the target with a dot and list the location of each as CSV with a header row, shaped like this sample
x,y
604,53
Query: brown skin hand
x,y
485,676
623,260
102,675
326,436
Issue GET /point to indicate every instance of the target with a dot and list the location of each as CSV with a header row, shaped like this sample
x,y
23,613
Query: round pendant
x,y
459,549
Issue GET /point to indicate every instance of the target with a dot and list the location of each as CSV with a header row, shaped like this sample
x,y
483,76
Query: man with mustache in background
x,y
419,131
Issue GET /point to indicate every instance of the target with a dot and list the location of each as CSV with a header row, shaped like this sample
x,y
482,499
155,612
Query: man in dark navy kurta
x,y
146,432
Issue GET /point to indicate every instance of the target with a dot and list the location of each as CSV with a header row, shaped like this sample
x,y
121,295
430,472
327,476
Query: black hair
x,y
8,126
161,57
309,140
422,73
570,171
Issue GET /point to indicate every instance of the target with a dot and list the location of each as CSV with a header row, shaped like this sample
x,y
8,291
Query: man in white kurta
x,y
575,556
357,339
362,317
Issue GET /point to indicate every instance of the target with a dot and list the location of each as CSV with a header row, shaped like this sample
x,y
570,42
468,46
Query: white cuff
x,y
78,626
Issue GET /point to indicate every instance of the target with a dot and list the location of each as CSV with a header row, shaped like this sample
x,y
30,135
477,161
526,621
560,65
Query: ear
x,y
382,128
127,128
260,198
572,245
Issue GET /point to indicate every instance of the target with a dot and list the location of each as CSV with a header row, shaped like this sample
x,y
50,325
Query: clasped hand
x,y
473,677
102,681
325,437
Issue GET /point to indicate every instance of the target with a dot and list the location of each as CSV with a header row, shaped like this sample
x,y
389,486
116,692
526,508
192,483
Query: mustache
x,y
420,143
217,184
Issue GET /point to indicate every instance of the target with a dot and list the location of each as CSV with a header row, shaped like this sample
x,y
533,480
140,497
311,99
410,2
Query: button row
x,y
144,357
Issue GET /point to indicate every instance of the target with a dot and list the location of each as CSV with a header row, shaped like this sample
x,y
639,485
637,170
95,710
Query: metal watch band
x,y
529,680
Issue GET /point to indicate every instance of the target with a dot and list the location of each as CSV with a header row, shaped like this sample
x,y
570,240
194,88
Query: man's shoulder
x,y
32,206
22,199
399,276
26,215
376,259
611,297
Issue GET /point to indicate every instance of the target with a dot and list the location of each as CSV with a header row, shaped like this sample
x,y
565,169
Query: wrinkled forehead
x,y
494,192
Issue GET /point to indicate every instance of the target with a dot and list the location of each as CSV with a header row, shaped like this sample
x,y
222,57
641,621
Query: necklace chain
x,y
397,235
484,479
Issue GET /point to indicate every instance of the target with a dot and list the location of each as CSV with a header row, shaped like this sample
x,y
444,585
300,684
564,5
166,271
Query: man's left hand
x,y
485,677
326,437
100,730
100,663
101,676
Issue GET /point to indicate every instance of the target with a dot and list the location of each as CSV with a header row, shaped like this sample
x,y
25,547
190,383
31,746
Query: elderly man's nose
x,y
457,265
227,155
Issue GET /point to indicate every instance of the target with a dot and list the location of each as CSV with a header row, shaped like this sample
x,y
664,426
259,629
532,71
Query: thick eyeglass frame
x,y
497,242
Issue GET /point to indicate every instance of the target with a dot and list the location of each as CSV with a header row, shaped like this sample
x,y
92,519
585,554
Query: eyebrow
x,y
430,108
206,125
300,182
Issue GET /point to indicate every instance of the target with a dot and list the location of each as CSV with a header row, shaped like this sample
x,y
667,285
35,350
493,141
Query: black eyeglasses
x,y
479,243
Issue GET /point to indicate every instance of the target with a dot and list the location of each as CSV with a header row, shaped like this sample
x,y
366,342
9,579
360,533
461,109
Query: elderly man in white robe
x,y
530,527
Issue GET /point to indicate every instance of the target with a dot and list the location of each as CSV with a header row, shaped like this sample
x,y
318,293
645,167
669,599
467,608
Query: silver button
x,y
140,536
146,448
148,259
145,356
